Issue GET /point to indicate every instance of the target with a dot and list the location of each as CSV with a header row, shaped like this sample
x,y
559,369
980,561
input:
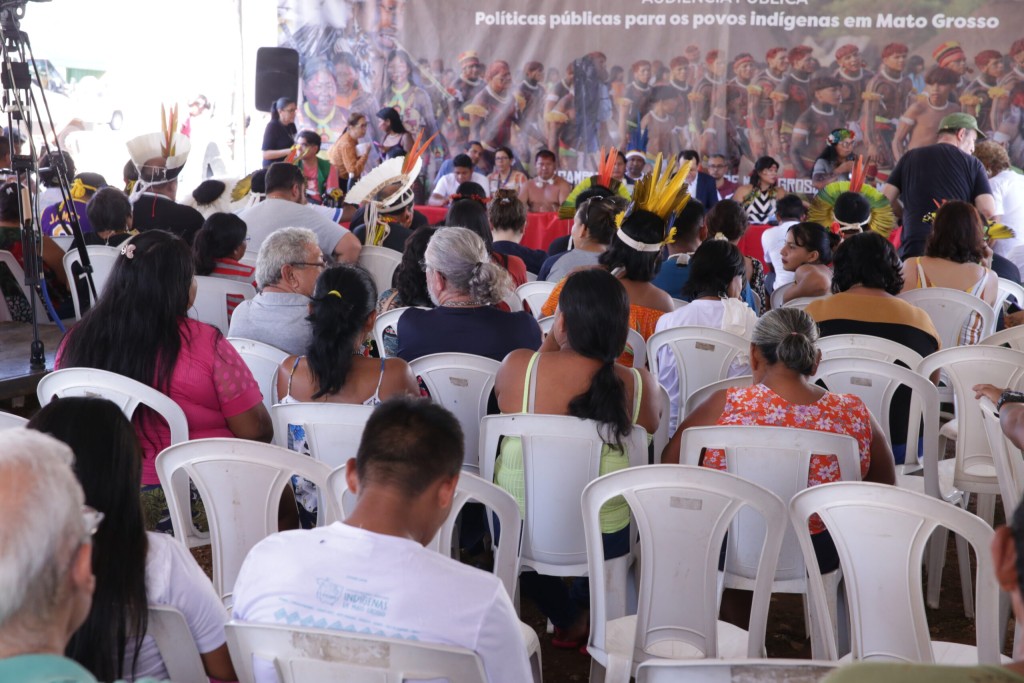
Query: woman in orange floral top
x,y
782,357
633,257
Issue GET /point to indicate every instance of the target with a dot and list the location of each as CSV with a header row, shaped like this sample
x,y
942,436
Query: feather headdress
x,y
159,157
822,210
658,196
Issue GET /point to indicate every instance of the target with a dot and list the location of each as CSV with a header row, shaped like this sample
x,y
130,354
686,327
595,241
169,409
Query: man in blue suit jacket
x,y
702,186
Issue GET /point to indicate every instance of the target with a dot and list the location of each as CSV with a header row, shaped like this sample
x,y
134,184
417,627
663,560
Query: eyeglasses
x,y
321,264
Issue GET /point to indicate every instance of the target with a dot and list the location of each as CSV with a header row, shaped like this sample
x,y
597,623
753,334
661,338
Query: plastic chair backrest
x,y
702,394
471,488
1007,289
102,259
702,355
802,302
333,430
635,343
384,321
211,304
682,515
514,303
462,383
263,360
662,434
305,654
561,455
11,421
1011,336
867,346
547,322
167,626
728,671
381,263
966,366
880,533
65,242
534,294
777,295
7,259
875,382
1006,458
775,458
241,483
679,303
948,309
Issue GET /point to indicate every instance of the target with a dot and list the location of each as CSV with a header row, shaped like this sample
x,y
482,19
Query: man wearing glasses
x,y
716,168
46,579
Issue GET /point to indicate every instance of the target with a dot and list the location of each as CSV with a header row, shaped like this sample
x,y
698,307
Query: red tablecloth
x,y
541,228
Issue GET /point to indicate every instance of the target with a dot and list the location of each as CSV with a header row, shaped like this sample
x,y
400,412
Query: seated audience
x,y
782,358
154,194
865,283
547,191
727,220
287,267
133,568
110,213
507,216
468,210
47,560
316,171
139,328
807,254
409,286
285,206
593,228
790,210
690,232
396,222
462,172
713,288
56,218
575,373
956,257
402,500
504,176
217,247
465,286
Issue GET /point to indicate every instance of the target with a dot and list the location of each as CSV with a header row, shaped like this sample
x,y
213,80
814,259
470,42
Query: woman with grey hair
x,y
783,357
465,287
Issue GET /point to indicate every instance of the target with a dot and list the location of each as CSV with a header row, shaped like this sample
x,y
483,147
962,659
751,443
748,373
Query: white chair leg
x,y
536,669
936,562
966,580
597,672
987,507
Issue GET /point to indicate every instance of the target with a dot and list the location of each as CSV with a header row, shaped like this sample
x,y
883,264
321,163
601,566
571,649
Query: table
x,y
17,377
541,228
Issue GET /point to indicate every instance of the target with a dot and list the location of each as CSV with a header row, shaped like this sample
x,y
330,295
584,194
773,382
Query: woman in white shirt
x,y
133,568
714,287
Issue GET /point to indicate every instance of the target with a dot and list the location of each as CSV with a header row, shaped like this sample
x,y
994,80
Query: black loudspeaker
x,y
277,75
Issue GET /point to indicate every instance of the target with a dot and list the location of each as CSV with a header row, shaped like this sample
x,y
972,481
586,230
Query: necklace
x,y
461,304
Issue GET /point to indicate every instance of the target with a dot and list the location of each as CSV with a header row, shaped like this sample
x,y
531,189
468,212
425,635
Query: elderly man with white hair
x,y
288,264
46,579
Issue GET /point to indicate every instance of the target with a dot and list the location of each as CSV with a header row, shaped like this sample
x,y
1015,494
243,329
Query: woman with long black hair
x,y
279,135
133,569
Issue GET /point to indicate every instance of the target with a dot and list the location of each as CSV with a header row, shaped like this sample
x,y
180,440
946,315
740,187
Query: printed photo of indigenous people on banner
x,y
737,78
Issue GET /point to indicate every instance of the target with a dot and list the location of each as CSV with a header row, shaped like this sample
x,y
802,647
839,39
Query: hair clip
x,y
128,251
334,292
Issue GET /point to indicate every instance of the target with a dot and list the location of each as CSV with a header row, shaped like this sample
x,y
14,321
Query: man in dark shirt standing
x,y
927,176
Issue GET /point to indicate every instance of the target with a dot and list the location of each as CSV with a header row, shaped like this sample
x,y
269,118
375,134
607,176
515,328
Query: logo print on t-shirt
x,y
327,591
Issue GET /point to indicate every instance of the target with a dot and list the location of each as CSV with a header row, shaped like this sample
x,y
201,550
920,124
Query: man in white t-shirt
x,y
790,210
1007,194
285,207
371,572
462,172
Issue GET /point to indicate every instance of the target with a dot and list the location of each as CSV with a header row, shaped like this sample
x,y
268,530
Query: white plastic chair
x,y
462,383
802,302
1011,336
728,671
635,343
506,553
263,360
682,515
702,394
305,654
1007,289
679,303
128,395
241,483
11,421
534,294
65,242
333,430
880,534
7,259
561,455
867,346
778,459
514,303
381,263
1006,458
384,321
777,295
167,626
102,259
211,304
661,435
547,322
702,355
948,309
